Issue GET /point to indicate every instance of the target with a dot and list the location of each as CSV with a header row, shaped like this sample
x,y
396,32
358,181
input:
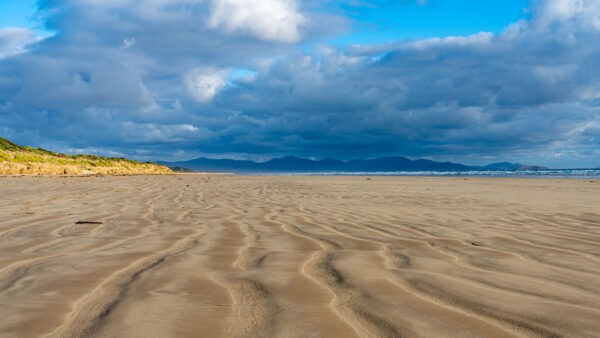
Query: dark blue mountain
x,y
295,164
292,163
502,166
510,166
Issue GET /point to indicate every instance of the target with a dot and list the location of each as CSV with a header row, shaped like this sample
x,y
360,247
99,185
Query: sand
x,y
243,256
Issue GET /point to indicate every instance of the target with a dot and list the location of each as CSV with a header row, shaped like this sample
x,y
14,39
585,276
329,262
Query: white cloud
x,y
559,11
203,84
14,40
163,133
156,10
563,9
271,20
128,42
481,38
526,90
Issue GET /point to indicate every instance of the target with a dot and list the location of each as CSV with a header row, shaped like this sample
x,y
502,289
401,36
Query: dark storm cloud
x,y
162,80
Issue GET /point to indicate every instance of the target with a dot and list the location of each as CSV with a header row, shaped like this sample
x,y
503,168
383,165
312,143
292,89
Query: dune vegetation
x,y
20,160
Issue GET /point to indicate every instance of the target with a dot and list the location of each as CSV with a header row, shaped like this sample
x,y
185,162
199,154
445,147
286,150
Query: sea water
x,y
549,173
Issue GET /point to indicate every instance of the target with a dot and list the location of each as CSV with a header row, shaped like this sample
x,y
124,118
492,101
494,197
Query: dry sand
x,y
210,256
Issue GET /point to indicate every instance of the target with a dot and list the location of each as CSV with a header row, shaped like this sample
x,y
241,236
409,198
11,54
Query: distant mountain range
x,y
509,166
295,164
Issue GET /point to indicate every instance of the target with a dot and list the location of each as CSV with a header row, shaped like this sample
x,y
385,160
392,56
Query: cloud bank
x,y
155,80
14,41
274,20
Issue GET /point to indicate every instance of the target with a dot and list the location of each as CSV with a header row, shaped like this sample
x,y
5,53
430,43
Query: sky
x,y
467,81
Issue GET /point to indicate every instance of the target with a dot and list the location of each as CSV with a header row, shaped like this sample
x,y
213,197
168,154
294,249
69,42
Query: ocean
x,y
549,173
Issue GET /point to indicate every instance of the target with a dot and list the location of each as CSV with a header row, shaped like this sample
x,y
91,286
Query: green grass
x,y
12,152
5,156
181,170
7,145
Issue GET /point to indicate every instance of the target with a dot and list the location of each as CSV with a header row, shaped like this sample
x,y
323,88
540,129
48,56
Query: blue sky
x,y
382,21
18,13
463,80
396,20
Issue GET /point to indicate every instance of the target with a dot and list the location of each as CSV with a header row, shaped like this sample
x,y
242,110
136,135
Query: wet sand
x,y
242,256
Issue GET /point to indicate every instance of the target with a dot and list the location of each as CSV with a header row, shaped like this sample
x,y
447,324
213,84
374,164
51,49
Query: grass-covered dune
x,y
20,160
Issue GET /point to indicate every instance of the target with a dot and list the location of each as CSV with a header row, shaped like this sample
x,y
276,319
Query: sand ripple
x,y
198,255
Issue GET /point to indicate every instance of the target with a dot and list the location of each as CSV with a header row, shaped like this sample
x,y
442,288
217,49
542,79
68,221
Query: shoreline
x,y
465,177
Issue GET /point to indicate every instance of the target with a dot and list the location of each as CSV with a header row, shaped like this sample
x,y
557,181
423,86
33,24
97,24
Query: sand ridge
x,y
256,256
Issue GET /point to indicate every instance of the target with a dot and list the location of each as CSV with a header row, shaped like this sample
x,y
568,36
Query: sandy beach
x,y
262,256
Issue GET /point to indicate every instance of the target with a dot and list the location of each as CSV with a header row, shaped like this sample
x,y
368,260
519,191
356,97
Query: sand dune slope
x,y
227,256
